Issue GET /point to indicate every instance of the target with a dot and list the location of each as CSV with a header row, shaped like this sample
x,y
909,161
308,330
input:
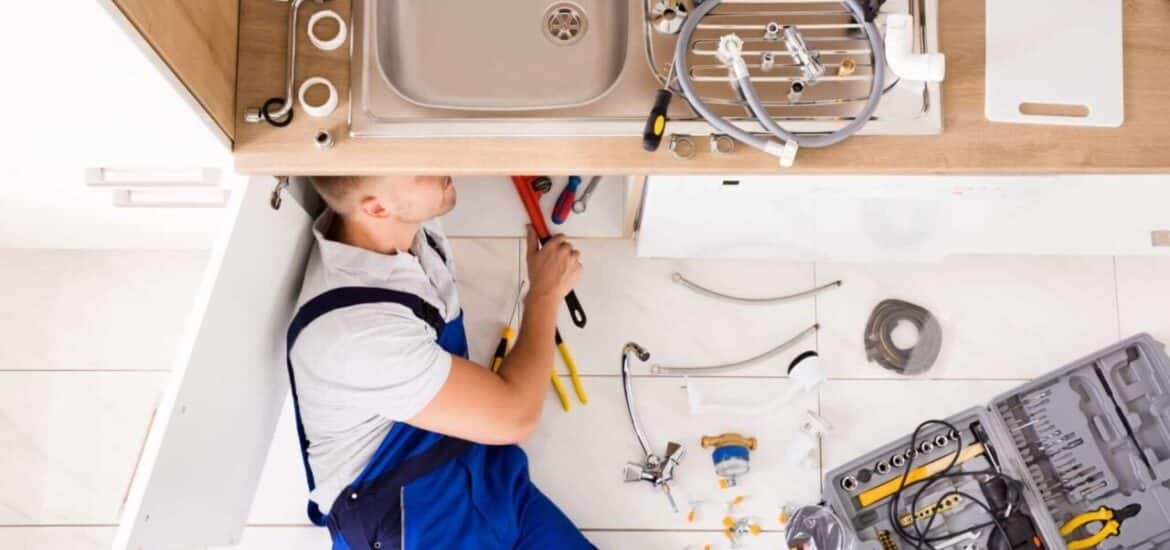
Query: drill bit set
x,y
1078,458
1049,448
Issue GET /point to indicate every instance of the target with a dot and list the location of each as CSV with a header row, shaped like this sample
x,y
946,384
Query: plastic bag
x,y
818,528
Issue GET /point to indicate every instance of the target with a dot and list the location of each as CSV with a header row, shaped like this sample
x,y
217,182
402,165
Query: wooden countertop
x,y
969,143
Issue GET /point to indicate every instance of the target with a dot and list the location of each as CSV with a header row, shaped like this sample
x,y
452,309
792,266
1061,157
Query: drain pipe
x,y
925,67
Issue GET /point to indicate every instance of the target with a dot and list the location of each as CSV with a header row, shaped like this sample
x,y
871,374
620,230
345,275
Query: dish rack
x,y
827,28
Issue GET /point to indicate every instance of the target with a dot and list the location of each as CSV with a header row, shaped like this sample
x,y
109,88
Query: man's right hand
x,y
553,269
479,405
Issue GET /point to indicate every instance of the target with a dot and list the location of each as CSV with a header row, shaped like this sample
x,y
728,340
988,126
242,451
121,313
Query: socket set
x,y
884,467
1088,443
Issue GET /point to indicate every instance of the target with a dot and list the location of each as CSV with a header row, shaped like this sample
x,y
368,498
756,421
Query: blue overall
x,y
426,490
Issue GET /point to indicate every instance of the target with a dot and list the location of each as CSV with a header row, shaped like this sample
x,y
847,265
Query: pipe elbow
x,y
636,350
900,56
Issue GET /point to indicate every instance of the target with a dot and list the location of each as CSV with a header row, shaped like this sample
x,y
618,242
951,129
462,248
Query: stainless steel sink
x,y
591,67
514,55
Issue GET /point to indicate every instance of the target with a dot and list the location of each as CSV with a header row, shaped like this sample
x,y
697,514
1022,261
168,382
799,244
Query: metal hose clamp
x,y
682,146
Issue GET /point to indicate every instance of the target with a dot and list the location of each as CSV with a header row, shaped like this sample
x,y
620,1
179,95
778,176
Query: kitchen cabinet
x,y
488,207
210,435
872,218
212,430
95,109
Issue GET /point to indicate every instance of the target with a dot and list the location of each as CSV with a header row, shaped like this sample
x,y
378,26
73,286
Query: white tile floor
x,y
71,438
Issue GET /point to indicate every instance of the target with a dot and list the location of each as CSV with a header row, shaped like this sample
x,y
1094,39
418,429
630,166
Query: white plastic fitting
x,y
785,152
798,451
807,375
730,53
925,67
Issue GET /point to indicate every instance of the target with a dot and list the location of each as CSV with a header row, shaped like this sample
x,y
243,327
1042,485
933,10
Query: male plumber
x,y
407,443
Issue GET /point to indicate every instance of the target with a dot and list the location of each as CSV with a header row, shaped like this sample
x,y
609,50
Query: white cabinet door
x,y
93,97
915,218
213,427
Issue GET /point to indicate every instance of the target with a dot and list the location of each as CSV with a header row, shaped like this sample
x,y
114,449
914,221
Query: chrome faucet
x,y
654,469
809,60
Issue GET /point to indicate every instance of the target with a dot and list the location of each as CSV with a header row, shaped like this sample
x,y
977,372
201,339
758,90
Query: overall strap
x,y
434,244
332,300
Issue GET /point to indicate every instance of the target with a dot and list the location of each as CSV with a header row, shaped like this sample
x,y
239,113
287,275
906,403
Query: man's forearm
x,y
526,369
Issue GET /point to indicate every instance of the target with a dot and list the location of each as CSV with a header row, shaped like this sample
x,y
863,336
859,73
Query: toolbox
x,y
1089,444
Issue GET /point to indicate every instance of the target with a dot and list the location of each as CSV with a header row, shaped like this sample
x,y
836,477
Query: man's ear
x,y
371,206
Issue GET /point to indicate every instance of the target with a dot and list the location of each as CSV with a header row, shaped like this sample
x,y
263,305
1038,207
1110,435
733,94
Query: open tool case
x,y
1093,434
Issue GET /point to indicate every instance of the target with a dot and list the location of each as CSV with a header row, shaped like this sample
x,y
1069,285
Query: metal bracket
x,y
253,115
275,200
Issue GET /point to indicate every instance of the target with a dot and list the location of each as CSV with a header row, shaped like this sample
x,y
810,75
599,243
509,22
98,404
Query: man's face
x,y
416,199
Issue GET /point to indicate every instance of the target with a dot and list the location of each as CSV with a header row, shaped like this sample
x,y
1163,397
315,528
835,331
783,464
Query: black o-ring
x,y
272,102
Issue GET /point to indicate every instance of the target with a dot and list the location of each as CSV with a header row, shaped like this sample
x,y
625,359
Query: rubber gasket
x,y
274,102
879,343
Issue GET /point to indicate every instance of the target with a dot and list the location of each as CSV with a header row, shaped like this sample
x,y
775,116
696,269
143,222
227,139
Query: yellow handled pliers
x,y
1110,520
508,335
563,348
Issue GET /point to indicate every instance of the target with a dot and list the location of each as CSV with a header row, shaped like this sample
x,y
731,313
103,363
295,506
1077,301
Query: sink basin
x,y
514,55
592,67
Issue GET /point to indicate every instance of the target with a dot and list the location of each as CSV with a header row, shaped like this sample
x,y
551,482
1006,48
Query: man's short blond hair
x,y
338,191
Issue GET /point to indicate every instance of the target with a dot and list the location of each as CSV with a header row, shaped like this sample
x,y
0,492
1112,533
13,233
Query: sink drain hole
x,y
565,23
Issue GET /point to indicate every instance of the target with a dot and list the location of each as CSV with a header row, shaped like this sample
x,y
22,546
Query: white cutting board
x,y
1055,55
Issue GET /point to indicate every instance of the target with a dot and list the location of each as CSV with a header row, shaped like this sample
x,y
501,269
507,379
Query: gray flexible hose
x,y
682,75
682,71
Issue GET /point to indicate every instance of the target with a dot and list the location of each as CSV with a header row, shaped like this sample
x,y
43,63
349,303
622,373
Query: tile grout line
x,y
816,311
831,379
81,371
314,527
1117,296
820,391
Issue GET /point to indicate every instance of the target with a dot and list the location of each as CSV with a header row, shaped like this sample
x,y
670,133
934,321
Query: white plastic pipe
x,y
925,67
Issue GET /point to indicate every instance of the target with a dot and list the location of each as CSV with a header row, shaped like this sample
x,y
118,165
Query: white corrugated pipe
x,y
925,67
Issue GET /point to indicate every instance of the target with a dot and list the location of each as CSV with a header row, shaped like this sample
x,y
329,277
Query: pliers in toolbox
x,y
1110,520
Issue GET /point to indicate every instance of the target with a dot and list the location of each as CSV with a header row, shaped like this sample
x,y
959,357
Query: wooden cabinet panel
x,y
197,39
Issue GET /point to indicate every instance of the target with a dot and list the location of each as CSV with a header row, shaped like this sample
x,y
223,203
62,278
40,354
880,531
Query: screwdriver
x,y
508,334
564,204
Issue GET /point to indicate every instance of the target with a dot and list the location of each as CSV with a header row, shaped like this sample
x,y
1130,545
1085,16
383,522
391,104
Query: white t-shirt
x,y
360,369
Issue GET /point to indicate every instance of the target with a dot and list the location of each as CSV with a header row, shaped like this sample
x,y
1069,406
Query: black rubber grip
x,y
656,122
575,310
275,102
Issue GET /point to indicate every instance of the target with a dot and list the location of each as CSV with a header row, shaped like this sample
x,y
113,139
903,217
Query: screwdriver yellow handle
x,y
502,348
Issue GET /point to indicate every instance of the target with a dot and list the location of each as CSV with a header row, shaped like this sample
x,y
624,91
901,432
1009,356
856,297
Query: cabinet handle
x,y
171,198
151,177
